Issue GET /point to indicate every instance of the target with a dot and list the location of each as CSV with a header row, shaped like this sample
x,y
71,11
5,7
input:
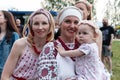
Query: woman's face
x,y
83,7
40,26
69,26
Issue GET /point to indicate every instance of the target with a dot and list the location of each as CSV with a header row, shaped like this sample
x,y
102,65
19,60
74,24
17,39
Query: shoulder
x,y
88,46
15,35
49,44
48,49
19,46
20,42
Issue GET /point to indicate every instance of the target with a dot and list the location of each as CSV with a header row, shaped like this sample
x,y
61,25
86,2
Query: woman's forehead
x,y
72,17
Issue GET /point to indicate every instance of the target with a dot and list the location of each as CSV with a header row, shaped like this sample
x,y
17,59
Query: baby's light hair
x,y
92,24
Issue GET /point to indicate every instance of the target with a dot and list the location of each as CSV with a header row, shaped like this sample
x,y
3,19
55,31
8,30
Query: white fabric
x,y
89,66
70,12
65,67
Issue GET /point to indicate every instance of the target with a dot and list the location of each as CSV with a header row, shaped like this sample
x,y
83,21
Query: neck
x,y
39,42
38,45
68,40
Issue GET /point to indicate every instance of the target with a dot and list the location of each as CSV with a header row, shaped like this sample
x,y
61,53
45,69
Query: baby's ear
x,y
95,35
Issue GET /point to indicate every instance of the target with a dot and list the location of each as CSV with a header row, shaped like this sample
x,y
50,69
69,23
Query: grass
x,y
116,60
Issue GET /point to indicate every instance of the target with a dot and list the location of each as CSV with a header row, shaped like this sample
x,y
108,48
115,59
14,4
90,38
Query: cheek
x,y
63,26
47,28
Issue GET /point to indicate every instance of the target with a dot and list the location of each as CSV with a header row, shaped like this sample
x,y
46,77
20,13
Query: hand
x,y
60,49
109,47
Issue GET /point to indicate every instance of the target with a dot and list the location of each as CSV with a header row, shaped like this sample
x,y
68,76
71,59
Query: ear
x,y
88,13
95,35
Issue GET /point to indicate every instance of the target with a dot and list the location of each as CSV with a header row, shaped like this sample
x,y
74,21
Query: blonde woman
x,y
22,61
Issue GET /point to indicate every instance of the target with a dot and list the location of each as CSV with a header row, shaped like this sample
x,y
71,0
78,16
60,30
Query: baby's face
x,y
85,34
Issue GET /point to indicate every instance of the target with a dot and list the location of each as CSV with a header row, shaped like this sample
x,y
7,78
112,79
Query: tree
x,y
56,5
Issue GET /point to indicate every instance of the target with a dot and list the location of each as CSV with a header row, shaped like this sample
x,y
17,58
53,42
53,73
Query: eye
x,y
76,22
85,33
67,21
81,9
36,23
79,33
44,23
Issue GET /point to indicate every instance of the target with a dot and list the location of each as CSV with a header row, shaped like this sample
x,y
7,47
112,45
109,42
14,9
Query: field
x,y
116,60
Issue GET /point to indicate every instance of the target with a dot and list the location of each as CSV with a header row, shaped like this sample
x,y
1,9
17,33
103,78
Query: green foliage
x,y
56,5
91,1
116,60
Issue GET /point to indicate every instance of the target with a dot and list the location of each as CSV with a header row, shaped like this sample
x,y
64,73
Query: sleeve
x,y
112,30
47,64
15,36
85,48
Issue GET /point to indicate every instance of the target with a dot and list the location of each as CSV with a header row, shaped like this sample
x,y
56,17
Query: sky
x,y
21,5
100,8
32,5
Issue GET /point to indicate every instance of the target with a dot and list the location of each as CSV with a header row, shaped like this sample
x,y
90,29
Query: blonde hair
x,y
28,25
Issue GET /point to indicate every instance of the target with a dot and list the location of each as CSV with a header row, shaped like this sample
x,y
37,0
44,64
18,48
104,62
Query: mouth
x,y
72,30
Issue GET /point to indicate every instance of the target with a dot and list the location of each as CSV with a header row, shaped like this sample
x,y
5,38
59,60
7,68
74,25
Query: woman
x,y
88,65
8,34
22,61
86,7
52,66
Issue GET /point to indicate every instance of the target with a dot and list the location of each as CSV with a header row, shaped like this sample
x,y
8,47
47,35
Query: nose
x,y
40,26
72,25
80,35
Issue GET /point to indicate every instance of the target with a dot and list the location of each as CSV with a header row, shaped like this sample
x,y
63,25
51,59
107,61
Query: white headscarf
x,y
70,11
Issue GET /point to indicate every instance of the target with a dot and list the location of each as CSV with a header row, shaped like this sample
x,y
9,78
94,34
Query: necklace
x,y
35,49
67,48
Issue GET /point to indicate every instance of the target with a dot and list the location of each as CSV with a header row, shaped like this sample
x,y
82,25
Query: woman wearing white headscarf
x,y
52,66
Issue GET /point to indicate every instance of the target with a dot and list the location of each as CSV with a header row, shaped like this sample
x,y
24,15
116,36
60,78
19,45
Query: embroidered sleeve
x,y
47,64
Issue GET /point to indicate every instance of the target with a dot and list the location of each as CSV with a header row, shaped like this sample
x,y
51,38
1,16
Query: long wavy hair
x,y
10,24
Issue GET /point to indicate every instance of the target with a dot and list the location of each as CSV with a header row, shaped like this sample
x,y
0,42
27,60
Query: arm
x,y
112,36
110,46
70,53
11,61
47,69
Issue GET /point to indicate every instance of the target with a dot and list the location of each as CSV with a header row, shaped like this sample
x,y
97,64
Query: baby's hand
x,y
60,49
